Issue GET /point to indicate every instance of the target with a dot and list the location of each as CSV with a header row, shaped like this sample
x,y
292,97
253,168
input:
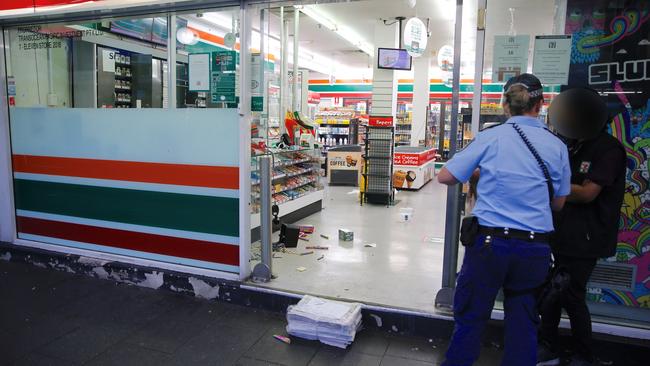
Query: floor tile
x,y
397,361
299,352
404,268
216,345
370,342
85,343
330,356
245,361
415,349
35,359
125,354
175,327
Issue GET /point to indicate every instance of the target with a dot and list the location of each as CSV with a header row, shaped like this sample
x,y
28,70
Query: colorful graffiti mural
x,y
605,32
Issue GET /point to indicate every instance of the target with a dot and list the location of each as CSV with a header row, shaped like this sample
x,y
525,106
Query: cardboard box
x,y
346,235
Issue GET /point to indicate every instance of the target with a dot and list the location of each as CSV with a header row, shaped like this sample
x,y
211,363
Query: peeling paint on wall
x,y
153,280
202,289
6,257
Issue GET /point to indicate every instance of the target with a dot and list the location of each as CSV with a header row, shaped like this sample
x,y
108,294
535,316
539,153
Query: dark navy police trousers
x,y
487,267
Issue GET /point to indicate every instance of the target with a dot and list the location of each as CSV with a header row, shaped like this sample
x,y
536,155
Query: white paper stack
x,y
332,322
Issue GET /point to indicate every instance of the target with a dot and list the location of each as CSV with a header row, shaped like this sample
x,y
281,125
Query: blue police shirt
x,y
512,190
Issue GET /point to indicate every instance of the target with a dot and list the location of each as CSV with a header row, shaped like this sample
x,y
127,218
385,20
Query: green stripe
x,y
213,215
408,88
337,88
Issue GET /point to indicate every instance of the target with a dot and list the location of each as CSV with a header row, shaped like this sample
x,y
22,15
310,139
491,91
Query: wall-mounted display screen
x,y
394,59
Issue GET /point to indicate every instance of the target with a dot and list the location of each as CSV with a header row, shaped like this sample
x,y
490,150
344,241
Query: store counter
x,y
344,165
413,166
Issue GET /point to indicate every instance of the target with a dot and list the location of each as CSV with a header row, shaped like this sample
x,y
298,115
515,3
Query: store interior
x,y
323,173
394,257
319,76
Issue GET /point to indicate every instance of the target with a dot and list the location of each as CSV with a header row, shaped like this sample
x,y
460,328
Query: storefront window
x,y
113,151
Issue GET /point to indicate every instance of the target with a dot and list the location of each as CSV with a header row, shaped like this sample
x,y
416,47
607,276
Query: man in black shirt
x,y
586,229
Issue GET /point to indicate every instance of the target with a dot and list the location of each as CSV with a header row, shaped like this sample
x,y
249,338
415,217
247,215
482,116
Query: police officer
x,y
587,227
513,209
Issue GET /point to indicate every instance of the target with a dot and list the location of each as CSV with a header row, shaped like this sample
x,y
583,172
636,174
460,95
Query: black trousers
x,y
575,305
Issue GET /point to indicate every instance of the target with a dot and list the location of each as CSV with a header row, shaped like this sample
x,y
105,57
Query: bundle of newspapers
x,y
334,323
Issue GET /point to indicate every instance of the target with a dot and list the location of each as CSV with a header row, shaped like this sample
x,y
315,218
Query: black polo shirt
x,y
590,230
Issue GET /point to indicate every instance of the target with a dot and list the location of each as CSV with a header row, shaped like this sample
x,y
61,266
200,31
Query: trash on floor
x,y
307,253
346,235
405,214
317,247
321,257
432,239
284,339
333,323
301,269
371,245
324,236
276,256
307,229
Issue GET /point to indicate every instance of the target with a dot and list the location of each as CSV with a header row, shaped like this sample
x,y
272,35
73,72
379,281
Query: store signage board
x,y
510,57
551,59
229,40
257,104
108,60
414,159
343,160
256,74
415,37
380,121
199,72
224,61
222,87
446,58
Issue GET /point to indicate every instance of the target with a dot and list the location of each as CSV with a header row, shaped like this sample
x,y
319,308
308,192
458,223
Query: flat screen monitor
x,y
394,59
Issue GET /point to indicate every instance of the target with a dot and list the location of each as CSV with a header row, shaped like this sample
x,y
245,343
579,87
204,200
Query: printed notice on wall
x,y
199,72
510,57
108,61
551,59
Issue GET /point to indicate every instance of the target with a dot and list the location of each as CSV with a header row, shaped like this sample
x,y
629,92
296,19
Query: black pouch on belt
x,y
468,230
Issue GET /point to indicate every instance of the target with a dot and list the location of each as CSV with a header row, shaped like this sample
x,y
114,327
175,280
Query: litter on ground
x,y
333,323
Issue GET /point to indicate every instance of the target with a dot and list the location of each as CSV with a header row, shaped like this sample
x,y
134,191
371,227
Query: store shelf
x,y
288,188
282,176
292,206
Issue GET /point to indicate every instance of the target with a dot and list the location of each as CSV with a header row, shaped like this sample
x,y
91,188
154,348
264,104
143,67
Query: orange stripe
x,y
220,41
211,37
162,173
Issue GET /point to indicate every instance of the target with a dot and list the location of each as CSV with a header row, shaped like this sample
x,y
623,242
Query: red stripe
x,y
123,239
133,171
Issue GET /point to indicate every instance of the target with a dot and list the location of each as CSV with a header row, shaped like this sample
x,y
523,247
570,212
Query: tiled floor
x,y
56,318
403,270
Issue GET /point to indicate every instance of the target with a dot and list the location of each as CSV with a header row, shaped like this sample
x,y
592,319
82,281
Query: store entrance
x,y
318,127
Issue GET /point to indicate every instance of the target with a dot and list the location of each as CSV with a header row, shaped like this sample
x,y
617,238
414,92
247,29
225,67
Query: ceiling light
x,y
318,17
344,32
186,36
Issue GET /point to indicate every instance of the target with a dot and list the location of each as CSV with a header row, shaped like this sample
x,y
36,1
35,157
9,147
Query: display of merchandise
x,y
296,173
122,81
334,126
431,133
378,167
403,124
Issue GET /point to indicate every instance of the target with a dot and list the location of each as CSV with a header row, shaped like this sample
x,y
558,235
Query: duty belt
x,y
499,232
